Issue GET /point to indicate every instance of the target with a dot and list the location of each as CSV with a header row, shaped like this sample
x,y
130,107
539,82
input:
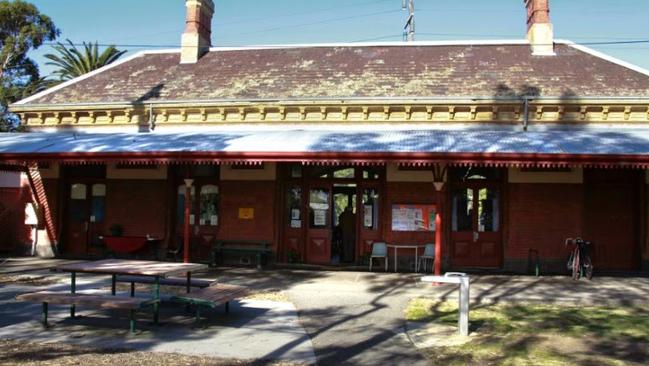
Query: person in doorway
x,y
347,224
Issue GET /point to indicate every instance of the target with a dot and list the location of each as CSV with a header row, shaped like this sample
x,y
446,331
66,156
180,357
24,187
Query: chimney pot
x,y
540,32
196,41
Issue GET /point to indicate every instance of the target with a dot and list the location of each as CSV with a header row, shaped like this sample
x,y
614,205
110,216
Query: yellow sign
x,y
246,213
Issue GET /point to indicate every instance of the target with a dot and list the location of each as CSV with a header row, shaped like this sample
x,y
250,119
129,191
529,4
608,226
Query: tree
x,y
22,28
73,63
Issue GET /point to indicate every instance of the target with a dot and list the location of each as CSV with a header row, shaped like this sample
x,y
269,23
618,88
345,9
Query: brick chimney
x,y
539,29
196,40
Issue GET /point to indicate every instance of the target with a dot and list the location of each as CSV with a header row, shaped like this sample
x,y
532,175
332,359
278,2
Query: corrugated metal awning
x,y
495,147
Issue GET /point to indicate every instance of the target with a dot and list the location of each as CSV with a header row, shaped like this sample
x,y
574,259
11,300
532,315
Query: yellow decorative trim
x,y
477,112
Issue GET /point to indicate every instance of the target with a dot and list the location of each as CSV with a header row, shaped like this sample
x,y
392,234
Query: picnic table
x,y
115,267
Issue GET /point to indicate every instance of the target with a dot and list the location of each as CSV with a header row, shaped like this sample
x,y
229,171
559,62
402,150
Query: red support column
x,y
438,236
188,209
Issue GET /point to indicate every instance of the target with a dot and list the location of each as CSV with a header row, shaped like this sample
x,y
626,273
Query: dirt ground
x,y
27,353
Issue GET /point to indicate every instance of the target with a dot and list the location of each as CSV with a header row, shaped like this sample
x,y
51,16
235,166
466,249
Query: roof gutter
x,y
332,100
327,158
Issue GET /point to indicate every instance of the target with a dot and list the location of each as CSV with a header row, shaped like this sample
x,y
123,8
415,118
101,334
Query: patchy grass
x,y
539,334
30,353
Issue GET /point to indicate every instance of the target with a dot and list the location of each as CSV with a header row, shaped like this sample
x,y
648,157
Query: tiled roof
x,y
349,71
585,141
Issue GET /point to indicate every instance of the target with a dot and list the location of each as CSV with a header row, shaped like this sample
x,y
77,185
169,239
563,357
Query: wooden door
x,y
294,224
369,218
475,227
319,229
85,221
203,217
611,219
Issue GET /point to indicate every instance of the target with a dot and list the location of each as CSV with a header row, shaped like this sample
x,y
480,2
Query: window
x,y
78,207
475,173
180,205
78,191
318,208
488,210
294,201
209,205
296,171
462,214
371,209
98,204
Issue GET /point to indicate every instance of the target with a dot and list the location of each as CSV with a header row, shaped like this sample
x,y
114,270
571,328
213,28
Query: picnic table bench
x,y
188,282
212,297
259,248
101,301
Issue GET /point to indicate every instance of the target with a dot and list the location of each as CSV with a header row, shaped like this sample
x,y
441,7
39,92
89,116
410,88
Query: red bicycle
x,y
579,261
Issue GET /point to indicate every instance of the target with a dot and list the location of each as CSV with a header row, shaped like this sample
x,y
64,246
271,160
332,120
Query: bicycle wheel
x,y
575,265
588,267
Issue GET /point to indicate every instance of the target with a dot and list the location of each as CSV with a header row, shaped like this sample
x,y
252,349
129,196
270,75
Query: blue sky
x,y
255,22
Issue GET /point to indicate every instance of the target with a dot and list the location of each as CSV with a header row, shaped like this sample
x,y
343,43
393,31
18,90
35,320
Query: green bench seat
x,y
258,248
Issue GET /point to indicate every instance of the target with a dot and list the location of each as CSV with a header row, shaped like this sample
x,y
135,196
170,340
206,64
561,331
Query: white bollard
x,y
464,281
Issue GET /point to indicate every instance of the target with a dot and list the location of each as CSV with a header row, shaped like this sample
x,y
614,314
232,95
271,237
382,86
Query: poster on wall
x,y
413,217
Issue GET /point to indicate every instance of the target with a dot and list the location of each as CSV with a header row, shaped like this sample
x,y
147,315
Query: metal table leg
x,y
73,290
156,297
395,258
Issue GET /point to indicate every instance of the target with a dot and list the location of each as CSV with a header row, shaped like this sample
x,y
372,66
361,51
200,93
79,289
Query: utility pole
x,y
409,28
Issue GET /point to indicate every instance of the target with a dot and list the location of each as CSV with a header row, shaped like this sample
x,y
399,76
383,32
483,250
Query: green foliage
x,y
72,62
538,334
22,28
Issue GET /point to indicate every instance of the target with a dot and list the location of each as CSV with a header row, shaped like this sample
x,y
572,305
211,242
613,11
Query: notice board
x,y
413,217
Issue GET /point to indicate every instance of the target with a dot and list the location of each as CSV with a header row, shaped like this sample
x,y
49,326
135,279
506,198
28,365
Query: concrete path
x,y
252,330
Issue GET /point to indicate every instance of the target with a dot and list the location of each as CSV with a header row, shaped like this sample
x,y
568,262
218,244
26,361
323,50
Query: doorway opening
x,y
343,244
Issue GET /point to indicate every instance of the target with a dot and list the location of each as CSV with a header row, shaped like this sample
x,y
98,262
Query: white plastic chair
x,y
379,250
429,254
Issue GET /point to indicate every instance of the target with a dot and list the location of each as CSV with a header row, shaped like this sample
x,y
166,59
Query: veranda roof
x,y
601,147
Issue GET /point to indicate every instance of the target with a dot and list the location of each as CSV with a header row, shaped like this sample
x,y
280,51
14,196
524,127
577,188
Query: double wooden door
x,y
476,233
310,221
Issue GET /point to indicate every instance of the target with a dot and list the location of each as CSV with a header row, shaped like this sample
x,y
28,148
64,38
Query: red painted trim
x,y
357,158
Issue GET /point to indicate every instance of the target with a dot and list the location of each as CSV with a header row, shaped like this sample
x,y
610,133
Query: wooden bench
x,y
212,297
259,248
170,281
101,301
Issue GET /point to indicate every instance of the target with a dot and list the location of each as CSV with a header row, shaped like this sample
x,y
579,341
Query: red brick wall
x,y
258,195
541,217
139,206
407,193
14,232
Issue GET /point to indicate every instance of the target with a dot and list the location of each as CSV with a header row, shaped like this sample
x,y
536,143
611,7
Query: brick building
x,y
496,150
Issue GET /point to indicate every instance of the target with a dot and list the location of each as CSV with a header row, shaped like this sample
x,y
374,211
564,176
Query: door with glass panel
x,y
370,228
85,217
203,217
319,226
476,239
